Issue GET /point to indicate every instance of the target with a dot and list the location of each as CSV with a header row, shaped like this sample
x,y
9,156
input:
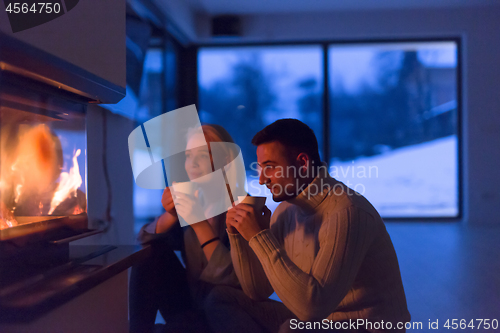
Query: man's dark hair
x,y
293,134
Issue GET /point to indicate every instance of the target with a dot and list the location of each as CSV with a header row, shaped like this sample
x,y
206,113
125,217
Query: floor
x,y
449,271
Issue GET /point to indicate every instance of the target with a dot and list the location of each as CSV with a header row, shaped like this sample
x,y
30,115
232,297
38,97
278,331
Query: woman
x,y
161,282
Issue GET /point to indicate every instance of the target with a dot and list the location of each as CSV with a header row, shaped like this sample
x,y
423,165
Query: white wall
x,y
118,129
180,13
480,32
91,36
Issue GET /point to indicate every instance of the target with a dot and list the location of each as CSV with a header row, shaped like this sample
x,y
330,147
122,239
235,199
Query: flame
x,y
19,190
19,187
31,162
38,162
69,184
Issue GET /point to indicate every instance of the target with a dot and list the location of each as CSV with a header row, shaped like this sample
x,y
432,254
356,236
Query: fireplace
x,y
42,165
43,177
43,100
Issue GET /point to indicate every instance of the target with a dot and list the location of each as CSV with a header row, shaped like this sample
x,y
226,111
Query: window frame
x,y
163,42
326,110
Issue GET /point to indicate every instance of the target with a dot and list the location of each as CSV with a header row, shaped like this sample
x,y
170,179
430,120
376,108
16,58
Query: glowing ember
x,y
78,210
6,217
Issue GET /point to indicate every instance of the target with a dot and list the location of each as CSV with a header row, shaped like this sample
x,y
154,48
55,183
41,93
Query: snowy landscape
x,y
415,181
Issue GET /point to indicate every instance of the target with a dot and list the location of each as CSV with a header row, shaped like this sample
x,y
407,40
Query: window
x,y
393,125
246,88
390,129
152,93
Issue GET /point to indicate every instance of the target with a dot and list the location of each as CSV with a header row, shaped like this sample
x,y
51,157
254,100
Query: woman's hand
x,y
167,201
168,219
189,208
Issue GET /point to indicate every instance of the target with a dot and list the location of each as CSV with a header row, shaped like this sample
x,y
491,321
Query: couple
x,y
325,252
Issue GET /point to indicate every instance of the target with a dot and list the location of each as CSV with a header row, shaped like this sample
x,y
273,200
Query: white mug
x,y
185,187
256,202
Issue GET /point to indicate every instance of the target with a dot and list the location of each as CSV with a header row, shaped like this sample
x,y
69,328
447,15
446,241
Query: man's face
x,y
277,170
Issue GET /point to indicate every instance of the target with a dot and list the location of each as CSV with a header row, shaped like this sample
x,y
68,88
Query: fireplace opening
x,y
42,165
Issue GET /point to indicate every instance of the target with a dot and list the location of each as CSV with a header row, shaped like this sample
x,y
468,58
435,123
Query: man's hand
x,y
230,217
244,219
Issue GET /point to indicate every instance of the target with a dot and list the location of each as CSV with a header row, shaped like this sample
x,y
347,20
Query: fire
x,y
31,163
68,185
39,158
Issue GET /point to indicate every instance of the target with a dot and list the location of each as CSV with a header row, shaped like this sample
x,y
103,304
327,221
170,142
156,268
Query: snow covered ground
x,y
416,181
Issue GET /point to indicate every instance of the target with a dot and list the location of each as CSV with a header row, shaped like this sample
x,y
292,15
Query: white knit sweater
x,y
326,255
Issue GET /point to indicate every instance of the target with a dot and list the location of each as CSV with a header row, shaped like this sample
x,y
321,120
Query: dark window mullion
x,y
326,107
164,86
460,174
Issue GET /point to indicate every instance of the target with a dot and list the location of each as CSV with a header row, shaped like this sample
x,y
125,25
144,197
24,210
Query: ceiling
x,y
240,7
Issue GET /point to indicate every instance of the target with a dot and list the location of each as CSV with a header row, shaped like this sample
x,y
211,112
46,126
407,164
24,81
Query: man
x,y
326,254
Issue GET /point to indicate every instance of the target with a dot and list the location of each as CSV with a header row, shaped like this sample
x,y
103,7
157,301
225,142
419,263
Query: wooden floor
x,y
449,271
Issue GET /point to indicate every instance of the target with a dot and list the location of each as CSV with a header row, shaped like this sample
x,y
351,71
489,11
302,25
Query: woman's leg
x,y
157,283
229,310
